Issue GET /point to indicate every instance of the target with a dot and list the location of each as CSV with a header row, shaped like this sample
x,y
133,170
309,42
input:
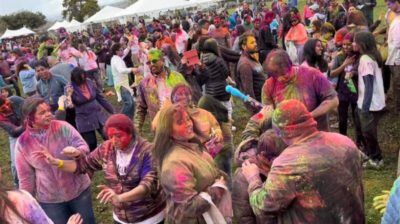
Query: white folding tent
x,y
69,26
74,26
107,13
58,25
16,33
54,26
154,6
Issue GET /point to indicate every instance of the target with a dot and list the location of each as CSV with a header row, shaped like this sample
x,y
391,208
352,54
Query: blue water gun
x,y
246,98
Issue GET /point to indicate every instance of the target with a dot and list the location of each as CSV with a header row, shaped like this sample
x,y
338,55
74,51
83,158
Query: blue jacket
x,y
28,80
50,90
392,214
89,114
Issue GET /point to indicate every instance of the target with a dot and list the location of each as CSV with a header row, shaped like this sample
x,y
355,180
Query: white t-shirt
x,y
368,66
180,41
120,75
394,42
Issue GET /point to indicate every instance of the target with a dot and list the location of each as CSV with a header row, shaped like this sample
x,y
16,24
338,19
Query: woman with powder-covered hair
x,y
49,185
195,188
126,160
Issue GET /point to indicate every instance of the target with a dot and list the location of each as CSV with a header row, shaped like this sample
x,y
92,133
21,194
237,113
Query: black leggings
x,y
343,110
90,138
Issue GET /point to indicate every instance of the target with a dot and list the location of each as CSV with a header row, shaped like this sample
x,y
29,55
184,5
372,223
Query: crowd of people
x,y
313,70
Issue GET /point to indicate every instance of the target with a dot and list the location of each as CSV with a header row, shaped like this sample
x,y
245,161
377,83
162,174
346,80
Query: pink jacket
x,y
297,34
45,182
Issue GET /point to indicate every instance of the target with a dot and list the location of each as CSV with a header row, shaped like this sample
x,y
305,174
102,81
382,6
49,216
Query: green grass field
x,y
374,180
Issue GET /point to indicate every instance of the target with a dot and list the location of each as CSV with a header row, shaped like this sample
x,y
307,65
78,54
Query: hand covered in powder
x,y
47,156
69,90
262,162
250,171
71,152
380,201
107,195
349,61
75,219
61,101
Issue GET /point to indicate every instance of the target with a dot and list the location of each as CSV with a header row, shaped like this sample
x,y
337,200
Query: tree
x,y
24,18
3,26
79,9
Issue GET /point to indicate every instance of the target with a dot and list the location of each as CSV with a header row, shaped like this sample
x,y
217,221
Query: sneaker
x,y
376,164
364,157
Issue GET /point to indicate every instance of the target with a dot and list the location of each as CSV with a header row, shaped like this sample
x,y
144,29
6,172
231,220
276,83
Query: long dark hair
x,y
20,66
314,60
367,44
163,141
171,54
78,76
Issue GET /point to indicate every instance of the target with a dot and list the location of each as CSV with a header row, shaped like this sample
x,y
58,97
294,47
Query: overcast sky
x,y
50,8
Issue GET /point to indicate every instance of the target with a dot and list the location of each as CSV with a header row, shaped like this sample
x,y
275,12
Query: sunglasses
x,y
152,62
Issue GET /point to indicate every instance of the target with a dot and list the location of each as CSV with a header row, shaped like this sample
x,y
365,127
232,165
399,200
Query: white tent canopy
x,y
74,26
58,25
149,6
105,14
16,33
69,26
74,23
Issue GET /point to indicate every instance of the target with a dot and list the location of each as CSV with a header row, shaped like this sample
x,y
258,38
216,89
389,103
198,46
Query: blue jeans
x,y
12,158
128,107
59,213
110,81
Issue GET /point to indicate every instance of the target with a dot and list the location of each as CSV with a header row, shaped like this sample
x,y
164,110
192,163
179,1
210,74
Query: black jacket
x,y
216,73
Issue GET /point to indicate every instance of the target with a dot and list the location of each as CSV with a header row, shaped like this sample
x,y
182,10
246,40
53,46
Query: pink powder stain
x,y
259,116
311,199
181,178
